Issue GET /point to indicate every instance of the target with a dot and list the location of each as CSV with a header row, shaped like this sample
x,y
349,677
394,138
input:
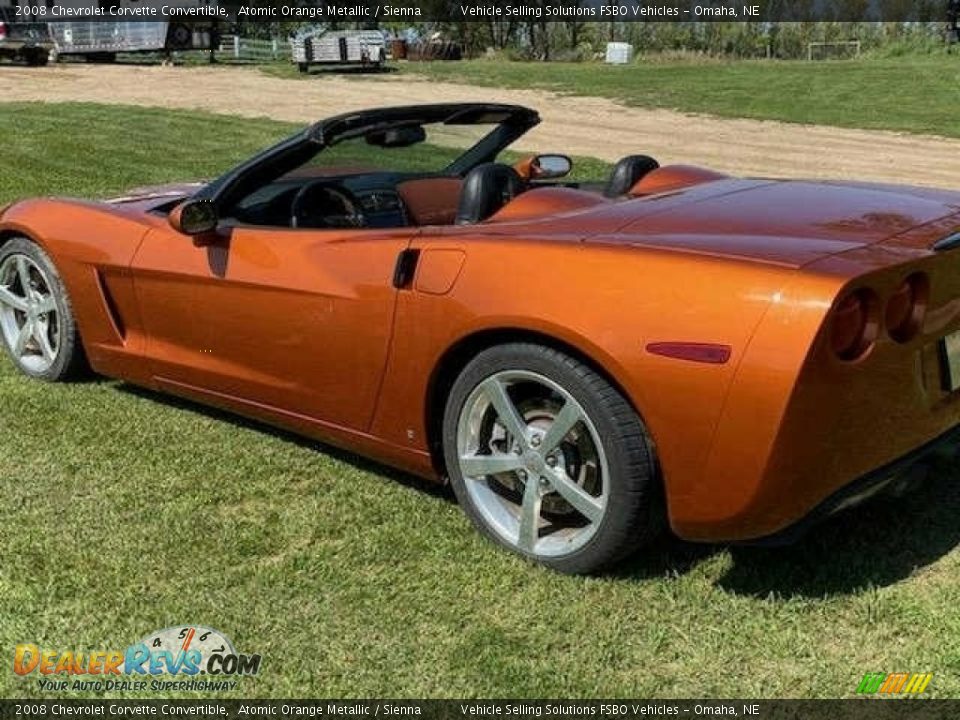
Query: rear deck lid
x,y
794,223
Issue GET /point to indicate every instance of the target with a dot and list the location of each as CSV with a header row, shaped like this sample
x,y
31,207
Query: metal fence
x,y
241,48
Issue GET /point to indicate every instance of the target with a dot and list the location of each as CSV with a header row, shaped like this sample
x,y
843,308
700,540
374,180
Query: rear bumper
x,y
905,469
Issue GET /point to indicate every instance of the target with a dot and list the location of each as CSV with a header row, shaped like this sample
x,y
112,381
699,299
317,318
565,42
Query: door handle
x,y
405,269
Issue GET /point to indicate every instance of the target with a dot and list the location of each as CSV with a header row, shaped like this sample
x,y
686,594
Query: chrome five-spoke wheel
x,y
36,319
548,459
28,313
532,462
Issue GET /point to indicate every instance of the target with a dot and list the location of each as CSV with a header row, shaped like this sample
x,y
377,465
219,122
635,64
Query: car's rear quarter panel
x,y
748,447
844,419
608,303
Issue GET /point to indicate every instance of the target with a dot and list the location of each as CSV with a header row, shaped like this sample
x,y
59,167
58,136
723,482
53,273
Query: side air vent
x,y
113,311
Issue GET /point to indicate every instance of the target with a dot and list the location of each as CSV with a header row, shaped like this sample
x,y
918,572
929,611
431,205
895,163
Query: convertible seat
x,y
431,201
673,177
627,172
539,202
486,189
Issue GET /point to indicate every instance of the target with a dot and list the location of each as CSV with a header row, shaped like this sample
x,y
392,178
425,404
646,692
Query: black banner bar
x,y
854,709
485,11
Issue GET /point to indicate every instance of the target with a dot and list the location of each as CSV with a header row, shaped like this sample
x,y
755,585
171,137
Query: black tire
x,y
36,57
179,37
69,361
634,509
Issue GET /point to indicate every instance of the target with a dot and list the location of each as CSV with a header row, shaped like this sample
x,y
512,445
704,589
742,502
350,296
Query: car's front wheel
x,y
36,317
549,460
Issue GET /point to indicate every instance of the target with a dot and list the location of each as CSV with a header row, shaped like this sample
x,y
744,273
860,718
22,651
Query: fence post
x,y
236,47
274,45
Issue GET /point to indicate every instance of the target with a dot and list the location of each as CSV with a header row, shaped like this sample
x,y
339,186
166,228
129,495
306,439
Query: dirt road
x,y
579,126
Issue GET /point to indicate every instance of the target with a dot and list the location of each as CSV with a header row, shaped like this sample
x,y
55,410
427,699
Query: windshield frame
x,y
510,122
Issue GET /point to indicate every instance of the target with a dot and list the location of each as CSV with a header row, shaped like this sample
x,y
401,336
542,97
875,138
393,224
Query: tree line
x,y
908,26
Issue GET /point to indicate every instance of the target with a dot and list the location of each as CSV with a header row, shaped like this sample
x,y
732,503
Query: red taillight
x,y
854,325
3,30
905,308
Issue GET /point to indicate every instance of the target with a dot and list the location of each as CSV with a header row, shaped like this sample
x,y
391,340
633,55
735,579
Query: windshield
x,y
439,140
363,168
442,145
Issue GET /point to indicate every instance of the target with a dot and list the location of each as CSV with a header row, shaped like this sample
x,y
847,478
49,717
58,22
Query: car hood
x,y
143,198
788,222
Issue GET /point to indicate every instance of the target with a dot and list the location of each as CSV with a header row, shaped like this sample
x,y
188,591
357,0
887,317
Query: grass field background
x,y
916,94
123,512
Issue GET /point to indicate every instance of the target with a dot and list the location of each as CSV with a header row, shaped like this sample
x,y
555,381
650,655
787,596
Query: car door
x,y
296,320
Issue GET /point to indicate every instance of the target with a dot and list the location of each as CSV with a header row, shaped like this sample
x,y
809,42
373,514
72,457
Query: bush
x,y
582,53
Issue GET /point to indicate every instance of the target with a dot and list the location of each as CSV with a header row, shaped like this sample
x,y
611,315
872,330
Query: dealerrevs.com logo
x,y
185,657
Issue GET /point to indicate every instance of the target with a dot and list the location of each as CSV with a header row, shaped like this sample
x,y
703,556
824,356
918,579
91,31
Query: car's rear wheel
x,y
549,460
36,317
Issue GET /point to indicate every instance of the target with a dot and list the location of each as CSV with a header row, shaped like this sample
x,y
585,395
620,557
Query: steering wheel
x,y
325,204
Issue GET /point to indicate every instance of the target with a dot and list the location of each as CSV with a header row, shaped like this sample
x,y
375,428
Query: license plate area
x,y
950,361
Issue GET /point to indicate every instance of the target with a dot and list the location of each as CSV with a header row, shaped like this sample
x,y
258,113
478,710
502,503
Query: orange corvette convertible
x,y
735,356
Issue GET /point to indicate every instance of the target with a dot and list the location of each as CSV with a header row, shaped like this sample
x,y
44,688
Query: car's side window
x,y
318,204
268,206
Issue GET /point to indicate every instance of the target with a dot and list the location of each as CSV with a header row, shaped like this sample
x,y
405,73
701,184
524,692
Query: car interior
x,y
344,191
396,199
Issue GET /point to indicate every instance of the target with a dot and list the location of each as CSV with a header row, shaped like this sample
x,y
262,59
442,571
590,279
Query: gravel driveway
x,y
579,126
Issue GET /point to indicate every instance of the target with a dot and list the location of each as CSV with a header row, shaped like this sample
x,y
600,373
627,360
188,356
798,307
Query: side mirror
x,y
194,217
550,167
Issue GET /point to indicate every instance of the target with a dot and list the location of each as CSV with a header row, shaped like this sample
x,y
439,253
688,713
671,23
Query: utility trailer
x,y
103,39
319,46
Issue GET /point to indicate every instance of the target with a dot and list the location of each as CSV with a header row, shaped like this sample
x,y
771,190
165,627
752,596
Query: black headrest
x,y
627,172
486,189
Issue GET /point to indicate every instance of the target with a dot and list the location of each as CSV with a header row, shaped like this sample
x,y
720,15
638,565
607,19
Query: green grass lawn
x,y
93,150
911,94
122,512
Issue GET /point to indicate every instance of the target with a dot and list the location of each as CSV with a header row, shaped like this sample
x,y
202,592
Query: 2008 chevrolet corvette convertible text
x,y
736,356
